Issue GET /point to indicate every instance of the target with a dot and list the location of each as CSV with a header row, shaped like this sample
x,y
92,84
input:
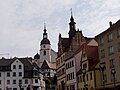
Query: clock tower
x,y
45,48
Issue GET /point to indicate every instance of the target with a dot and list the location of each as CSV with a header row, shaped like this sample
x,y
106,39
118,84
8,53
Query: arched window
x,y
44,53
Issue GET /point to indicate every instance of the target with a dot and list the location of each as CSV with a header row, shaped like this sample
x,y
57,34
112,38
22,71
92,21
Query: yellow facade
x,y
109,52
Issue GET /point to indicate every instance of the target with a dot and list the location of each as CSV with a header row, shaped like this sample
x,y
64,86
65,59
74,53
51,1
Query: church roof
x,y
51,65
37,56
45,41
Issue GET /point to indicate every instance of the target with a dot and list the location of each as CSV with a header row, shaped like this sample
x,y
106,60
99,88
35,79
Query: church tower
x,y
45,48
72,27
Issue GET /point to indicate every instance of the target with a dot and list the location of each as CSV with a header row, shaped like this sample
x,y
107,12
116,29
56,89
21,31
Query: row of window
x,y
112,78
109,37
61,72
70,76
69,64
20,66
110,50
59,61
15,82
87,77
14,74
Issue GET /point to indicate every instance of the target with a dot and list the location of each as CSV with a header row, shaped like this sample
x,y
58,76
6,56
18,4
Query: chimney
x,y
110,23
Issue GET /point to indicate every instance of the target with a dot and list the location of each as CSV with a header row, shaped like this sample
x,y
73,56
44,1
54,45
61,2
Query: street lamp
x,y
84,72
113,72
102,68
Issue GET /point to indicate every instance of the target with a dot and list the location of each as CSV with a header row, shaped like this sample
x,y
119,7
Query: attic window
x,y
16,61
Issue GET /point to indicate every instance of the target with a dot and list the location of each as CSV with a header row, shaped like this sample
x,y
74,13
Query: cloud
x,y
21,21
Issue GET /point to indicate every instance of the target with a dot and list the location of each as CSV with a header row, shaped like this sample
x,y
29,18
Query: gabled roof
x,y
92,55
49,65
6,62
26,61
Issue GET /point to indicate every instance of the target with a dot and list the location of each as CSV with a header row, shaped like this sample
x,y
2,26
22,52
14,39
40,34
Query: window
x,y
90,75
119,47
20,81
80,78
67,87
84,55
101,41
111,50
36,80
113,77
118,33
0,81
44,53
14,74
105,77
14,81
20,66
14,88
26,81
73,75
72,87
8,74
43,46
20,73
0,74
112,63
8,81
110,37
84,65
102,53
87,77
14,66
72,63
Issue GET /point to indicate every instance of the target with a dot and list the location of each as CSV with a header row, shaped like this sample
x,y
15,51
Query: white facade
x,y
71,74
45,53
13,79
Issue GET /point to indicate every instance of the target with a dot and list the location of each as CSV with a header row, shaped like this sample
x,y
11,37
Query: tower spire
x,y
71,12
71,19
72,26
45,27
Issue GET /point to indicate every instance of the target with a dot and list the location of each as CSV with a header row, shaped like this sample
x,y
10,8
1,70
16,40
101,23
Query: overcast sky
x,y
22,21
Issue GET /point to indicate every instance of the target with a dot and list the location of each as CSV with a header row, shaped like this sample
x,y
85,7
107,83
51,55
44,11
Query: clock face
x,y
45,36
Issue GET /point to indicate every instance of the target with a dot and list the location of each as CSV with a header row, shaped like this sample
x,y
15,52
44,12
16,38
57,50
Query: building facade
x,y
88,75
109,54
67,61
20,74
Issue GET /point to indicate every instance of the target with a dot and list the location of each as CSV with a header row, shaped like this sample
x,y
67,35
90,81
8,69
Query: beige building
x,y
109,56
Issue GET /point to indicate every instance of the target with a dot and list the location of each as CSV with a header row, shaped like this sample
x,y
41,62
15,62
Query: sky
x,y
22,22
